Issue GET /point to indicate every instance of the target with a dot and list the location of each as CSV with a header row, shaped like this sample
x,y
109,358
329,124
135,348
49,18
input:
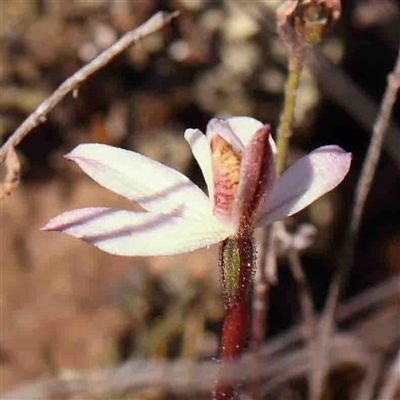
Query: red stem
x,y
236,324
234,336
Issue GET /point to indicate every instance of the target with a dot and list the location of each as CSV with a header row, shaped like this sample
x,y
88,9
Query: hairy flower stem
x,y
237,258
287,116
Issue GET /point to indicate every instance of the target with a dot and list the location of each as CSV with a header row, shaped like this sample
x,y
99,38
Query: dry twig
x,y
362,190
185,377
13,173
265,275
367,387
281,367
306,301
155,23
391,384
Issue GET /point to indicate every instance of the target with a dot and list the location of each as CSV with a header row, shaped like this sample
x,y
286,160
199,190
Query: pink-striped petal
x,y
154,186
305,181
128,233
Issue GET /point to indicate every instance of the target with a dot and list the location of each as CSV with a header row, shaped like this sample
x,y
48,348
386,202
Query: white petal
x,y
273,146
223,128
129,233
245,127
151,184
202,153
305,181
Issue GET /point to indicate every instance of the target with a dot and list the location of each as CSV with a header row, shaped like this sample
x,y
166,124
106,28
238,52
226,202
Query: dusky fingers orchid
x,y
236,159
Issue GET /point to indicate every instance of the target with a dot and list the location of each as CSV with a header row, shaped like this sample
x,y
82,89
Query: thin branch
x,y
342,349
306,301
375,295
375,148
155,23
362,190
309,317
368,299
367,387
13,173
265,274
185,377
391,384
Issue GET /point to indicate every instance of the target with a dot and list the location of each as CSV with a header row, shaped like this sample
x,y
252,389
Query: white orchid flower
x,y
236,159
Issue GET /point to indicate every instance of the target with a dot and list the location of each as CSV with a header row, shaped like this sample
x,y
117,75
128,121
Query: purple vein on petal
x,y
81,216
130,230
153,185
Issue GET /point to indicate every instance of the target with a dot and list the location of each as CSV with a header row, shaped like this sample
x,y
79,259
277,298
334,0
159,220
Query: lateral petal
x,y
305,181
202,153
130,233
153,185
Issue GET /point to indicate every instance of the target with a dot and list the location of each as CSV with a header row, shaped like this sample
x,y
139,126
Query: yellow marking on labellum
x,y
226,171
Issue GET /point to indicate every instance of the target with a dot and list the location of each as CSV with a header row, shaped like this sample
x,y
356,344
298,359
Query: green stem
x,y
287,115
284,134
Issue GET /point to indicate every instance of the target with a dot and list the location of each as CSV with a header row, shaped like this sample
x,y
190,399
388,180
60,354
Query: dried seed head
x,y
302,22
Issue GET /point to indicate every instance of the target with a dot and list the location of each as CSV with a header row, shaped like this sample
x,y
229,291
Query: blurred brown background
x,y
66,305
